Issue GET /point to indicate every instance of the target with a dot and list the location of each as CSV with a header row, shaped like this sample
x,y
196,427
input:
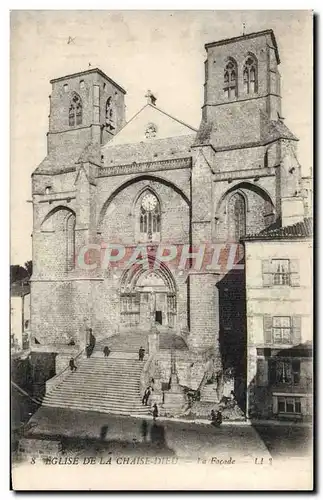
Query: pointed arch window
x,y
230,80
75,113
110,114
237,216
150,217
250,79
70,242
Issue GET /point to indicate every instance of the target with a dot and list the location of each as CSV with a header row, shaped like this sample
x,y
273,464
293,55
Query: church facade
x,y
155,181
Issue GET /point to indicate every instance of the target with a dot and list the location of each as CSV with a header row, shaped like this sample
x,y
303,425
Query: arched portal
x,y
148,296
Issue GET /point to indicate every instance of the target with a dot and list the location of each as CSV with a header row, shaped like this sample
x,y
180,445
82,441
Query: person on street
x,y
155,411
216,418
73,367
106,351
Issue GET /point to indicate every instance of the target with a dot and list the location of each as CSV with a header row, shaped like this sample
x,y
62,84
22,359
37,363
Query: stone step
x,y
103,393
95,402
108,385
116,403
112,411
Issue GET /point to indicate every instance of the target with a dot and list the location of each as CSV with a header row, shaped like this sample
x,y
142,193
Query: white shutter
x,y
296,330
294,272
268,324
266,273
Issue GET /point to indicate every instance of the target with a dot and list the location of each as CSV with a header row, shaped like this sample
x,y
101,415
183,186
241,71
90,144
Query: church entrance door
x,y
149,301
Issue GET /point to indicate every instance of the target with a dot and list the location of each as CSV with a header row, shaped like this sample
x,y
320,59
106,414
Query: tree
x,y
17,273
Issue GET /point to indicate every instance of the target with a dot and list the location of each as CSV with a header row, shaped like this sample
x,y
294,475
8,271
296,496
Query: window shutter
x,y
294,272
268,329
266,273
262,372
275,405
296,332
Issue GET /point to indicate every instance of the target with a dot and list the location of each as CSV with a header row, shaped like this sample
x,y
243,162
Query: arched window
x,y
75,113
110,114
237,216
230,80
70,242
250,75
149,217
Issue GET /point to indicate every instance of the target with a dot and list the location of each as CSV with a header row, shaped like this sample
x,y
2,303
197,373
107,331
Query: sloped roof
x,y
302,229
145,151
65,159
276,129
271,130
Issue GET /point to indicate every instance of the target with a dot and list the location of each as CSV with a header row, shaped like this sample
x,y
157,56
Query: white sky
x,y
159,50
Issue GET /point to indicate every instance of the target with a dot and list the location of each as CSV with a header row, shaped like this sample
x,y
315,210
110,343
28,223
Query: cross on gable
x,y
151,99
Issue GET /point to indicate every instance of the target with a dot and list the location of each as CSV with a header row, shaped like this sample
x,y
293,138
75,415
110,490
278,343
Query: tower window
x,y
230,80
237,216
250,82
110,114
75,113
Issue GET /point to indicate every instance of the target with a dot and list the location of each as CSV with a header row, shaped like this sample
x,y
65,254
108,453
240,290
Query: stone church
x,y
155,180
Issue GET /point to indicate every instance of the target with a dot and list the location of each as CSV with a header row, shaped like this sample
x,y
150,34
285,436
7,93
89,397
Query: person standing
x,y
106,351
146,395
141,353
73,367
155,411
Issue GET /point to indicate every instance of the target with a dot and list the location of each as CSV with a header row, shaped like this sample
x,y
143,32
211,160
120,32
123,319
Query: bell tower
x,y
242,87
84,107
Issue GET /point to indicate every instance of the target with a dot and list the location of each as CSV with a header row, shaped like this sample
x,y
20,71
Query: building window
x,y
82,84
48,189
65,87
289,405
230,80
75,114
150,218
282,331
110,114
284,371
281,272
250,75
237,216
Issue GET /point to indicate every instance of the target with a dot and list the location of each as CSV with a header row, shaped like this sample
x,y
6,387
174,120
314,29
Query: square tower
x,y
242,87
84,107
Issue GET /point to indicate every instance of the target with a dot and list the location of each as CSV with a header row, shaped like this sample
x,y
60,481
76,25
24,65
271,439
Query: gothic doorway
x,y
148,297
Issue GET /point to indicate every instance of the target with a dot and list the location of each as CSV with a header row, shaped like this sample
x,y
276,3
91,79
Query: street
x,y
83,433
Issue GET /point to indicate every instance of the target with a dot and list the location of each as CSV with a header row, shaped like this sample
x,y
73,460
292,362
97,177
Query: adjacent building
x,y
19,315
279,273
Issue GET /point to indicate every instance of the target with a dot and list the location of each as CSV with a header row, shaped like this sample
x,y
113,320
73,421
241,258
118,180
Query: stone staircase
x,y
107,385
126,342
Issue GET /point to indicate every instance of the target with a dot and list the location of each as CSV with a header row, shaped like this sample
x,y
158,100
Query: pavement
x,y
80,430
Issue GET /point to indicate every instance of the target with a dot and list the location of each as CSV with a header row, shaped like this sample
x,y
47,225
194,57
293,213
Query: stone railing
x,y
57,379
145,374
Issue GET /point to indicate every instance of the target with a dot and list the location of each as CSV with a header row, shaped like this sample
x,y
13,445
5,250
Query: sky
x,y
158,50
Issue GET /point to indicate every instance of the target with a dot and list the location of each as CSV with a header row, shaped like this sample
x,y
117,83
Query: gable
x,y
150,123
